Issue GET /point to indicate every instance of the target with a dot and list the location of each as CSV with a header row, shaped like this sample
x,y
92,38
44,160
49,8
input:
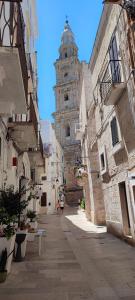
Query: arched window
x,y
66,98
68,131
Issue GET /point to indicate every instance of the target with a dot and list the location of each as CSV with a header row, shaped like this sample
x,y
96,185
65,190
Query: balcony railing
x,y
111,82
29,65
33,116
129,5
12,33
41,148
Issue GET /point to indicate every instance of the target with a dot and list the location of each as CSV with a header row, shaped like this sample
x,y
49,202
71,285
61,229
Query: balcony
x,y
13,65
30,73
79,131
37,160
112,83
130,8
23,129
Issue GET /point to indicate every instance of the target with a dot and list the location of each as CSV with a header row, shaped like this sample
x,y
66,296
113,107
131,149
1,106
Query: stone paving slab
x,y
79,261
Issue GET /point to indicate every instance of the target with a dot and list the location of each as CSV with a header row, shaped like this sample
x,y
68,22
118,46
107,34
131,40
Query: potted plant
x,y
82,204
3,262
13,204
31,215
81,175
7,236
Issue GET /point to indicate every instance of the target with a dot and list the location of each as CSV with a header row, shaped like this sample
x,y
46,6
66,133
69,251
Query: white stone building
x,y
110,122
52,179
21,151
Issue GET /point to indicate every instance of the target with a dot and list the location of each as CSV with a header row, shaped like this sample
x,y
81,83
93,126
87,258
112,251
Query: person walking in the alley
x,y
62,203
58,206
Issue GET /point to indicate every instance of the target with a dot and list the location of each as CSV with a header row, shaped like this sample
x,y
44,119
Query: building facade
x,y
67,94
53,178
21,151
110,121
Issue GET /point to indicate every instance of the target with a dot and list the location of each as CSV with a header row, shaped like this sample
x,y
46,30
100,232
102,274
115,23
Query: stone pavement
x,y
79,261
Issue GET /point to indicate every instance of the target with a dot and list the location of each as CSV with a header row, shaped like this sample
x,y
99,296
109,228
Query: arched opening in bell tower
x,y
68,130
66,97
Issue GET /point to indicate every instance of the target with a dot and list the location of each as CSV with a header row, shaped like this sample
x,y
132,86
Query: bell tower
x,y
67,95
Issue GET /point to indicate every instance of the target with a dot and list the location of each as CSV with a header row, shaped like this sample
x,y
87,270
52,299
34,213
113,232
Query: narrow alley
x,y
78,261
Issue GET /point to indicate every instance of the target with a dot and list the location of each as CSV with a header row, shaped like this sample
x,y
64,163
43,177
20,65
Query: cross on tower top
x,y
66,19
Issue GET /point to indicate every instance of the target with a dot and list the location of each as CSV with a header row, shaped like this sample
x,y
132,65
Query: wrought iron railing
x,y
29,65
129,5
41,148
33,116
12,33
111,75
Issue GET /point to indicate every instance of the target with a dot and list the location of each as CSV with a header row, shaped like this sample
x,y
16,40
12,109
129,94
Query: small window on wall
x,y
68,131
66,98
114,131
66,74
102,158
103,161
65,54
43,178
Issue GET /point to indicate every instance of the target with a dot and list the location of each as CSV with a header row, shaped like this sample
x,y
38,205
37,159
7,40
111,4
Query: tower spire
x,y
67,22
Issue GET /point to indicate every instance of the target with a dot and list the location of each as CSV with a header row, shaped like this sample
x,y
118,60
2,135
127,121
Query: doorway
x,y
124,208
44,200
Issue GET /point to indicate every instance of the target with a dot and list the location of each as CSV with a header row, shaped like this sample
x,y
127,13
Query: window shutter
x,y
114,131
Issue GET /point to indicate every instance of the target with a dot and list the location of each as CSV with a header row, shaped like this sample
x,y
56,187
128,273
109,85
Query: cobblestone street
x,y
79,261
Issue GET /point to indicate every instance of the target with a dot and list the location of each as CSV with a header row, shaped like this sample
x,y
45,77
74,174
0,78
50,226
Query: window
x,y
114,60
103,161
33,174
66,98
43,178
66,55
68,131
102,158
114,131
66,74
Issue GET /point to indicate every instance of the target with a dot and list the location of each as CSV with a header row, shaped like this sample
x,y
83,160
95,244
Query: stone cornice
x,y
65,112
66,83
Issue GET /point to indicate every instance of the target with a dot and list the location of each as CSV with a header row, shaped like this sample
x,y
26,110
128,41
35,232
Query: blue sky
x,y
83,18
